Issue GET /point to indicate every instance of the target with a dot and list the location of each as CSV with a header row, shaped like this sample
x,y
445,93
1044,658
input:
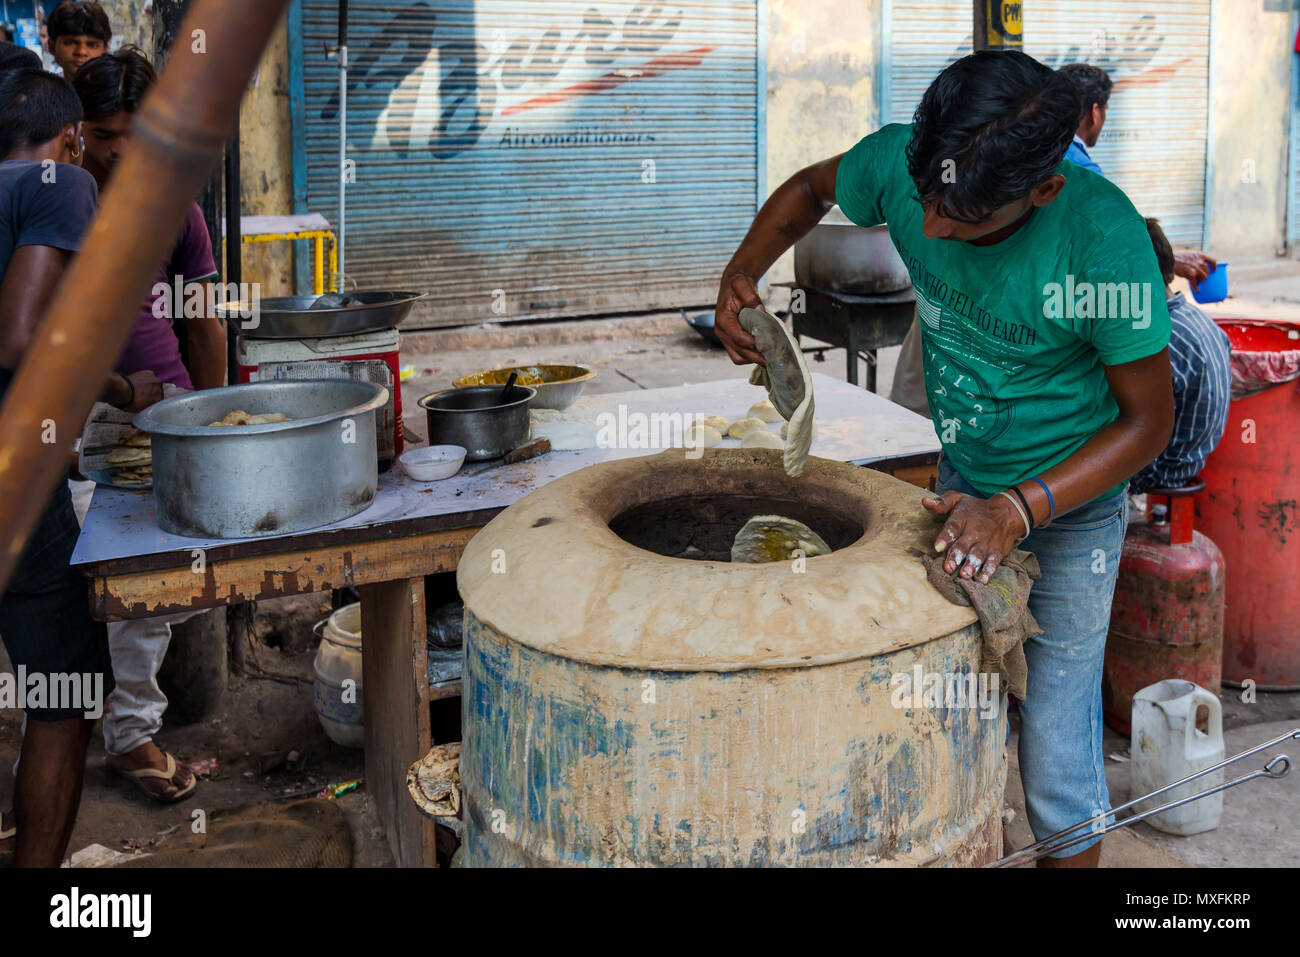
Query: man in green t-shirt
x,y
1044,333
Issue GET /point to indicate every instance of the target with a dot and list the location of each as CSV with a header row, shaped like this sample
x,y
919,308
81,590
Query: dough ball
x,y
715,422
742,427
765,410
785,429
761,439
700,436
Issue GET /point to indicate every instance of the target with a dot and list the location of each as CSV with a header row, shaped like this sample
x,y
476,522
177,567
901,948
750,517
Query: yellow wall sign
x,y
1003,24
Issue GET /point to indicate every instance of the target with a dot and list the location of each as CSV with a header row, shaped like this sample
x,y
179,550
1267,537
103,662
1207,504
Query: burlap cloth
x,y
1003,609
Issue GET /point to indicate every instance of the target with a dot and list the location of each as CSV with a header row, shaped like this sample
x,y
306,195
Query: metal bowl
x,y
249,480
703,324
291,317
477,420
558,387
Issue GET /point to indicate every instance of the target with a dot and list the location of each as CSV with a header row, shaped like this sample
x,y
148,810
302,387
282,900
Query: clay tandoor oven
x,y
633,697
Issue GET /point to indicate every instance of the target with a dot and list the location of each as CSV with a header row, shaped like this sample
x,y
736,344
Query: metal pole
x,y
176,140
234,244
998,25
337,281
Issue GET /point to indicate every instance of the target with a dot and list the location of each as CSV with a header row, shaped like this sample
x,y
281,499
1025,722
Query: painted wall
x,y
822,58
132,23
266,176
1250,96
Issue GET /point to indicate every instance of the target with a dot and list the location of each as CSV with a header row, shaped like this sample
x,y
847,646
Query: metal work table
x,y
414,529
858,324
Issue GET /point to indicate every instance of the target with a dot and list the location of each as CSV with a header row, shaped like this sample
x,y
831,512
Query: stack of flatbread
x,y
132,460
240,417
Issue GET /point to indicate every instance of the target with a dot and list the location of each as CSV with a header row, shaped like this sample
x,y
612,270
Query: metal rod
x,y
1270,770
1065,838
234,246
337,281
176,139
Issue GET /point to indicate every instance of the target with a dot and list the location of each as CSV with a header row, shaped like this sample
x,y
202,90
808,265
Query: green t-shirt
x,y
1015,335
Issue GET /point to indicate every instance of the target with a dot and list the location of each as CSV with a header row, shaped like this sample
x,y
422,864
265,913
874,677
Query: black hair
x,y
990,128
1164,251
113,83
34,107
1092,83
73,19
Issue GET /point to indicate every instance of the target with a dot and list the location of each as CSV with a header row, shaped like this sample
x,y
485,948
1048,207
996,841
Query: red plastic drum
x,y
1251,508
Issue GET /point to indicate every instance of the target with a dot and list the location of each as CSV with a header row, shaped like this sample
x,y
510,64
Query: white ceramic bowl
x,y
432,462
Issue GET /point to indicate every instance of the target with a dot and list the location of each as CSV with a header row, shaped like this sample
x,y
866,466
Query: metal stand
x,y
859,324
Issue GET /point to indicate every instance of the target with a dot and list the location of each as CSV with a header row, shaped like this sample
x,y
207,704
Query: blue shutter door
x,y
1155,141
1154,144
524,160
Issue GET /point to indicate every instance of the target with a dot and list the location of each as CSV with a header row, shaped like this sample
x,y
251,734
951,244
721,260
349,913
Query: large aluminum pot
x,y
475,418
840,256
250,480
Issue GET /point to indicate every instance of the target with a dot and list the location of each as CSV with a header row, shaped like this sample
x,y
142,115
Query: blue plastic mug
x,y
1214,287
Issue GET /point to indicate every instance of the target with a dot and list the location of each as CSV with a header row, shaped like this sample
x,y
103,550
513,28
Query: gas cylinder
x,y
1166,620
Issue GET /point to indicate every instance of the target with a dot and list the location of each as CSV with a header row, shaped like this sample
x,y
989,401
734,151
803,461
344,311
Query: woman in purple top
x,y
111,88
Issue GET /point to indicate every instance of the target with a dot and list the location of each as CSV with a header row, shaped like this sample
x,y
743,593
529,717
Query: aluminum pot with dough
x,y
242,481
633,697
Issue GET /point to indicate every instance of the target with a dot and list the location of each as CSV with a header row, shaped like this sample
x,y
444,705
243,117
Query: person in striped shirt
x,y
1198,359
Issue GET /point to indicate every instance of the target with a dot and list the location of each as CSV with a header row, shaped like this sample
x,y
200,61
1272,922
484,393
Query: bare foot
x,y
149,755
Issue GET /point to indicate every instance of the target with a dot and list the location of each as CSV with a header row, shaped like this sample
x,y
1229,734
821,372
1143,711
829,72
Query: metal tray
x,y
291,317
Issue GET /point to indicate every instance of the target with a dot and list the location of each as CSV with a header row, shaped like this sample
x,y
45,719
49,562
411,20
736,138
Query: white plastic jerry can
x,y
1166,745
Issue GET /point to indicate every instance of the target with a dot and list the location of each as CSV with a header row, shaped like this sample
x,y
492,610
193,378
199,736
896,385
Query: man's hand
x,y
737,292
148,390
979,532
1194,266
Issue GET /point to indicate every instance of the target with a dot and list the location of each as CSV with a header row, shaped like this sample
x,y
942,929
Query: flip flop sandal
x,y
7,832
138,778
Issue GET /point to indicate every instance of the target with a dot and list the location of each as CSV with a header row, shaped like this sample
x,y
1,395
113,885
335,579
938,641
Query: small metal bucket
x,y
478,421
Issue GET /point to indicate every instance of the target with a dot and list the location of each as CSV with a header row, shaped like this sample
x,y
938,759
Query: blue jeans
x,y
1061,761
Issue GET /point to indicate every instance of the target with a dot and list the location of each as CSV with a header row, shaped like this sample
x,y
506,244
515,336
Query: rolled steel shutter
x,y
1154,144
521,159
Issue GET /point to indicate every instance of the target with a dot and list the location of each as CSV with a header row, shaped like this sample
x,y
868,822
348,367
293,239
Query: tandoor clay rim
x,y
571,587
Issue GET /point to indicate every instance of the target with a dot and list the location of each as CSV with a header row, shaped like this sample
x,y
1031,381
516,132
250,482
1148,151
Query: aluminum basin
x,y
558,386
252,480
291,317
839,256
